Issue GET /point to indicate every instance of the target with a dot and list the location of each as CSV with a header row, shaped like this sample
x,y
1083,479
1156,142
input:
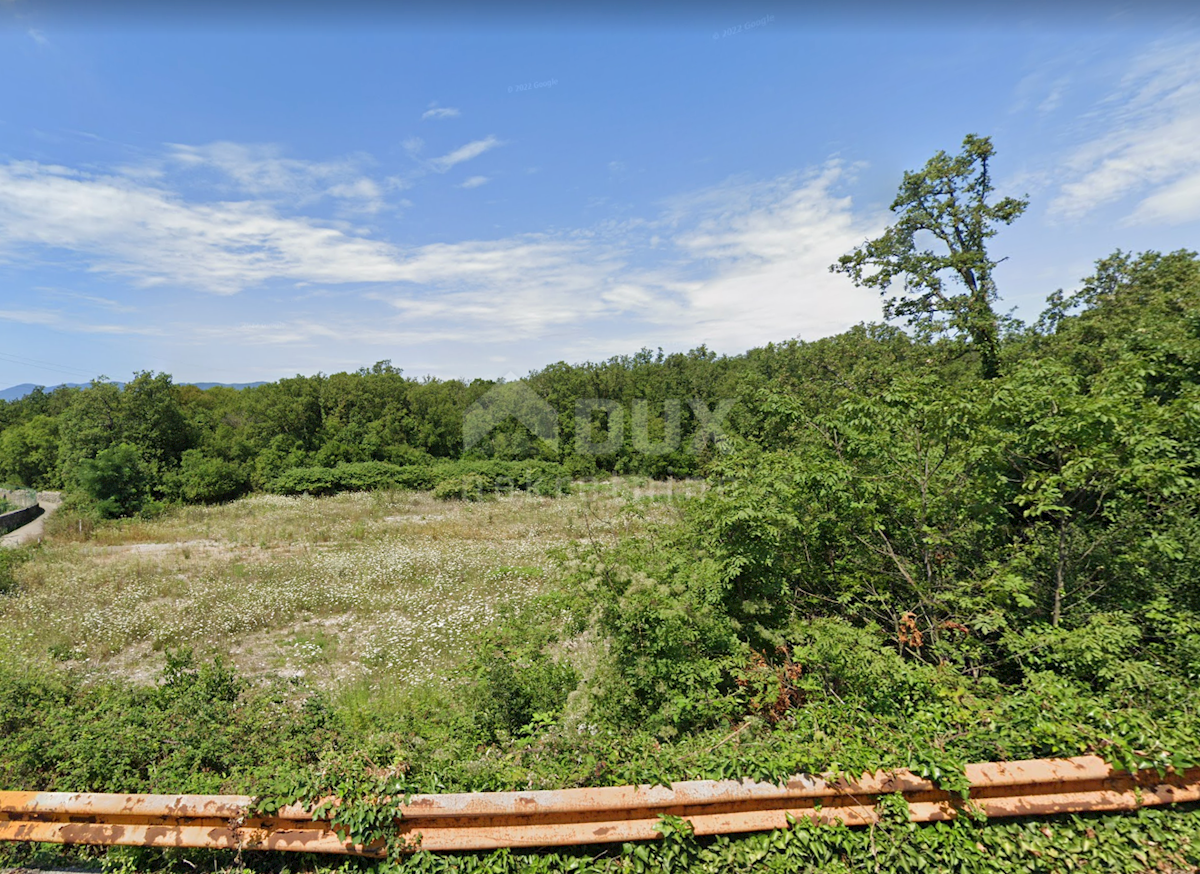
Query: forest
x,y
966,538
130,449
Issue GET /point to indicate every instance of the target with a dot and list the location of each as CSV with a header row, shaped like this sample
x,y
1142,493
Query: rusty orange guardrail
x,y
490,820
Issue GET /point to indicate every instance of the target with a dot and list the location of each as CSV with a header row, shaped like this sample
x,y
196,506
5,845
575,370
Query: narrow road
x,y
35,529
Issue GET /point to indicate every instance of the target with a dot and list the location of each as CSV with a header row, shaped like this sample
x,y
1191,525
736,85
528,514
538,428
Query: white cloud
x,y
262,171
464,153
152,236
356,333
1173,204
734,265
503,289
772,243
474,182
749,263
436,111
38,37
1149,148
365,193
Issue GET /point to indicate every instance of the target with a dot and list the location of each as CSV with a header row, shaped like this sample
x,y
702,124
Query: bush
x,y
306,480
359,476
450,479
539,477
205,480
365,476
418,476
516,690
672,654
283,454
190,733
467,487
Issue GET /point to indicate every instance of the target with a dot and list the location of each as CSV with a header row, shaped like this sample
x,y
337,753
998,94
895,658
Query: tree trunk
x,y
1059,575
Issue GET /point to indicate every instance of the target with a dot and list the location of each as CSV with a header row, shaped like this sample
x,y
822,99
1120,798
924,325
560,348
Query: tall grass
x,y
385,587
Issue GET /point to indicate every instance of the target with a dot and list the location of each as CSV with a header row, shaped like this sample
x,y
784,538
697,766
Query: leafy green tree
x,y
284,453
91,423
29,453
116,480
948,201
438,408
1101,473
206,480
289,407
1102,435
884,509
152,419
1145,306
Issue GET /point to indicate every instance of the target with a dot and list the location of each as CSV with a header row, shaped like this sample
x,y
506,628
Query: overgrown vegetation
x,y
913,551
123,450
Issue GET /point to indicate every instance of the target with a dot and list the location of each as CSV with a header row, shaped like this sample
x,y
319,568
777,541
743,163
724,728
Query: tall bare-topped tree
x,y
948,200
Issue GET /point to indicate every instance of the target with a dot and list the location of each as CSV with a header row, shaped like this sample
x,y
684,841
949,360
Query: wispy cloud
x,y
770,244
129,228
1149,148
355,332
464,153
474,182
436,111
1172,204
1054,99
55,319
737,264
263,171
38,37
734,265
92,299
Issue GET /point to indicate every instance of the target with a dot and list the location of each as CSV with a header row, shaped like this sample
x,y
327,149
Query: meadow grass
x,y
384,587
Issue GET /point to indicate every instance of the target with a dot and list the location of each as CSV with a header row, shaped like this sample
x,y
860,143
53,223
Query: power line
x,y
44,365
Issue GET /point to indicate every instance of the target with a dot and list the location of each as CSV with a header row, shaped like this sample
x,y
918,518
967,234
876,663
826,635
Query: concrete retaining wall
x,y
17,518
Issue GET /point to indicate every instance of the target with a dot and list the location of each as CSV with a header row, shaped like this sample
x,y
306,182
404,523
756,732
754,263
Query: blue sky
x,y
468,196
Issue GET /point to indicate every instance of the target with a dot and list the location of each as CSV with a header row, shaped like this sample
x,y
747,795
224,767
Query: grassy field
x,y
382,587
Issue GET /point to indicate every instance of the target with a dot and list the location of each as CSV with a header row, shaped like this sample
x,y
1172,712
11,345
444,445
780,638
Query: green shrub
x,y
206,480
463,479
517,690
306,480
673,654
284,453
466,487
418,477
364,476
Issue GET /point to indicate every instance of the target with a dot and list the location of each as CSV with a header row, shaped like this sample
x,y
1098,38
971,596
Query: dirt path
x,y
35,529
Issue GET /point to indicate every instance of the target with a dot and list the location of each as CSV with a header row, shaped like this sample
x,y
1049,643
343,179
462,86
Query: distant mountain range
x,y
16,392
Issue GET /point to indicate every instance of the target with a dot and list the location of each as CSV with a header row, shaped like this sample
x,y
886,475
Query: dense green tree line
x,y
153,440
